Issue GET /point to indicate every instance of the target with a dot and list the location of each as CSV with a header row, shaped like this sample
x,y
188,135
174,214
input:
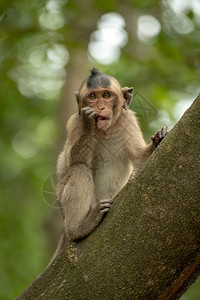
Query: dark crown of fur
x,y
94,72
97,79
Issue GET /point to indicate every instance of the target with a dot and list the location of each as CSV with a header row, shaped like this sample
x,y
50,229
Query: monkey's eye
x,y
92,96
106,95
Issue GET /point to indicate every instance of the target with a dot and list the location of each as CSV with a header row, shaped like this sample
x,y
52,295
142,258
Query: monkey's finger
x,y
106,201
167,129
164,131
89,111
105,210
105,205
86,111
159,134
92,115
85,108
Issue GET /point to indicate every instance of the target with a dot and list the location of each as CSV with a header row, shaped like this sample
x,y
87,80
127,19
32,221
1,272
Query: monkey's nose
x,y
101,107
101,104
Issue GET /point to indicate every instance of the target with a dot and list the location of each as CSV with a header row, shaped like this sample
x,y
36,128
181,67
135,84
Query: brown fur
x,y
96,163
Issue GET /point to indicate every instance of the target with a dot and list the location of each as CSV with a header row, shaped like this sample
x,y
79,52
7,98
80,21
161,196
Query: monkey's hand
x,y
159,135
88,115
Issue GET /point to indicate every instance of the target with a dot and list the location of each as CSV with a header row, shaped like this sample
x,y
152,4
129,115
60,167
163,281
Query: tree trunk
x,y
148,246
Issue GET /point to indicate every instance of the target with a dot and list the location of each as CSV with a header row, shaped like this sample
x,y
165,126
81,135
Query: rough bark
x,y
148,246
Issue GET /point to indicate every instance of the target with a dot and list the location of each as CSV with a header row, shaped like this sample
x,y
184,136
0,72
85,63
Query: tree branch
x,y
148,246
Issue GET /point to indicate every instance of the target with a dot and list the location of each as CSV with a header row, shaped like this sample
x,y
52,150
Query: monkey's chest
x,y
112,171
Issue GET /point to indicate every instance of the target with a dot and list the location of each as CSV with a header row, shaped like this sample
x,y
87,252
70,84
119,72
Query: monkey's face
x,y
105,96
102,101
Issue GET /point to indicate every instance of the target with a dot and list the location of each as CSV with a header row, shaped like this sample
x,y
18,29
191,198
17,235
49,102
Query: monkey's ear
x,y
127,94
77,100
77,96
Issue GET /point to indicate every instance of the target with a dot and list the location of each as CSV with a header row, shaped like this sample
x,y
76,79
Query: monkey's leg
x,y
82,213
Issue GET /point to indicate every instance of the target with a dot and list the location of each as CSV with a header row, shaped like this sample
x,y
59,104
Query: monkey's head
x,y
104,94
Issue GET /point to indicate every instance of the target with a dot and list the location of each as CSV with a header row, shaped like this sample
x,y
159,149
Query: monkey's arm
x,y
81,142
138,150
75,189
146,151
79,148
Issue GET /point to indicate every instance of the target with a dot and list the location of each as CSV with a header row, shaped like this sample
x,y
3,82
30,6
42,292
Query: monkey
x,y
104,145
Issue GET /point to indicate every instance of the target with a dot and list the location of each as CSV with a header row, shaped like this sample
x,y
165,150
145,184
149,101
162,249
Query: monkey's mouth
x,y
101,118
102,122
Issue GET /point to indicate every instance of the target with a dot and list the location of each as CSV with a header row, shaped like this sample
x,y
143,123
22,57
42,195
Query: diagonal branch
x,y
148,245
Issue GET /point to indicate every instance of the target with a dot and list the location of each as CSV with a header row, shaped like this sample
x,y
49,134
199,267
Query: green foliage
x,y
37,40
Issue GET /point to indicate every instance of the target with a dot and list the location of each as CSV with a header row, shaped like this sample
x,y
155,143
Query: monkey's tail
x,y
61,244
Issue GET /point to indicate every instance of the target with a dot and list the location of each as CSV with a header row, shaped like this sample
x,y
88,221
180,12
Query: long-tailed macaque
x,y
104,145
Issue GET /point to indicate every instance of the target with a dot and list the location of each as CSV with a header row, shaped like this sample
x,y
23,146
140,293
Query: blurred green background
x,y
46,50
